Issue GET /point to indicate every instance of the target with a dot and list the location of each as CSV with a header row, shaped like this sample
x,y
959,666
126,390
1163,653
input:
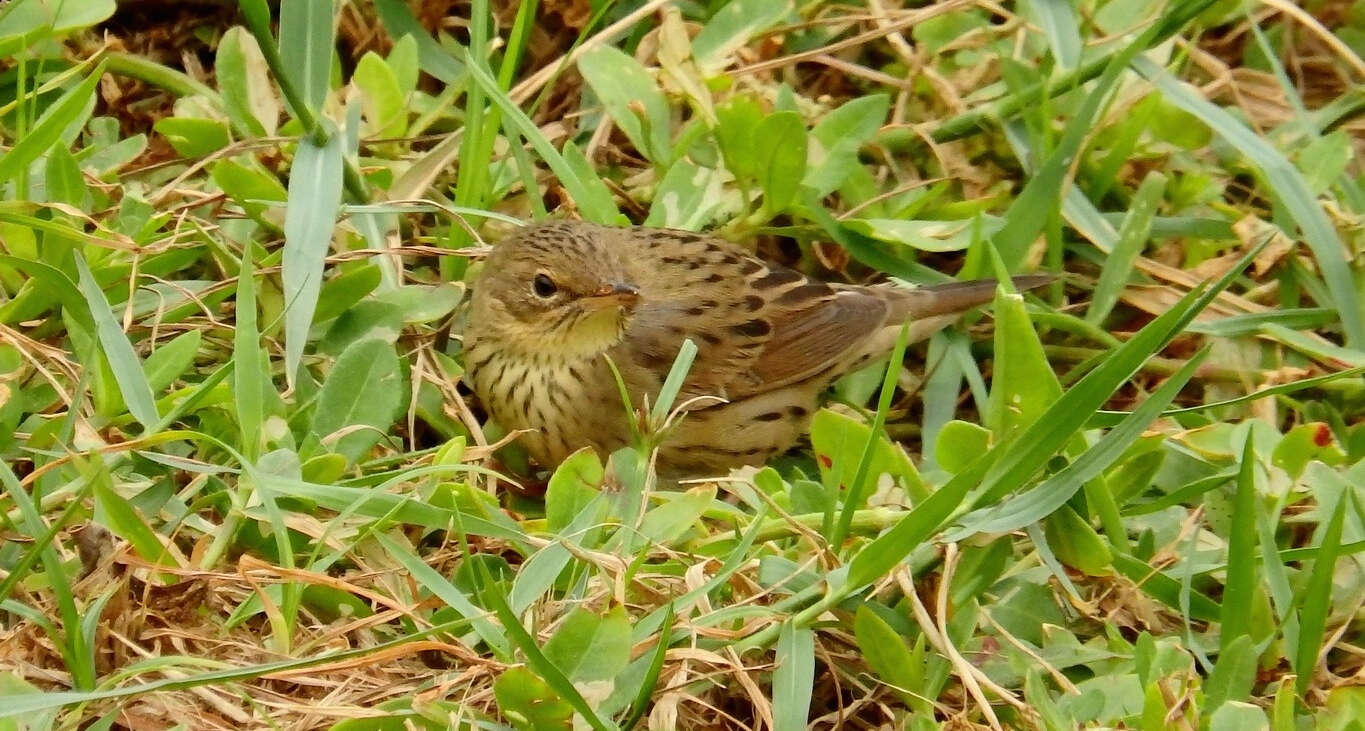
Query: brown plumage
x,y
555,297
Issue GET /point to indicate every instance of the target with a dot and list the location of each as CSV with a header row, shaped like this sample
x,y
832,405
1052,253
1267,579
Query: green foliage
x,y
238,461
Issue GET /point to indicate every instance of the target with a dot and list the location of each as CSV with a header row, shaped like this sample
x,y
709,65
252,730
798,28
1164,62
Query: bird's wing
x,y
810,337
757,327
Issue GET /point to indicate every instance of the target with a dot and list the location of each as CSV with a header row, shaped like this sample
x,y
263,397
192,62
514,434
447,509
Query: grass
x,y
243,486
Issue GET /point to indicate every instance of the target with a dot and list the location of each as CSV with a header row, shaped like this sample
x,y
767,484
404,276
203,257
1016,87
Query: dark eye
x,y
544,286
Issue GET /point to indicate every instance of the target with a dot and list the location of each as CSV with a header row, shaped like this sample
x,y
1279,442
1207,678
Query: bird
x,y
555,300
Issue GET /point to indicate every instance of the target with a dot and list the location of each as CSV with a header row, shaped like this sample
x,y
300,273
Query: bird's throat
x,y
593,332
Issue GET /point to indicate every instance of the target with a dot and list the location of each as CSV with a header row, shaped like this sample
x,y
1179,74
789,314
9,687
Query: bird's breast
x,y
563,403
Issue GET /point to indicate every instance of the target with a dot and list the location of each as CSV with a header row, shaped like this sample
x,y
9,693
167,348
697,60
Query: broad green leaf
x,y
244,79
314,196
573,485
403,59
838,441
247,184
1076,543
887,654
688,197
423,303
1023,383
192,136
736,121
25,22
1238,716
1233,674
926,235
362,396
590,646
732,26
780,148
624,86
528,703
170,361
63,180
666,523
383,98
836,139
959,444
343,291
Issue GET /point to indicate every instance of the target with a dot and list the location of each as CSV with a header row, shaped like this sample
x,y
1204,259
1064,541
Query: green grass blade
x,y
250,371
123,360
306,47
314,198
1133,234
49,128
677,375
1240,586
651,680
443,589
1029,212
1289,187
1316,601
587,196
794,678
1165,589
433,58
1041,501
535,658
854,498
82,672
1006,467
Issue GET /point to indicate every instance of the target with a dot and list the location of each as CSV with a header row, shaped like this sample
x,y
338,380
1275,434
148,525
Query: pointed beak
x,y
613,295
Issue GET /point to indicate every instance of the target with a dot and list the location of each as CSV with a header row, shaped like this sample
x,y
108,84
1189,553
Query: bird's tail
x,y
955,297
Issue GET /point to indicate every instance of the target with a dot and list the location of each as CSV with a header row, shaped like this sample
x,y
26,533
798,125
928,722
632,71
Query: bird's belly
x,y
749,431
566,407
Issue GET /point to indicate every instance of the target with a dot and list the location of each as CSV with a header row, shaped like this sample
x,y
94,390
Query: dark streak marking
x,y
753,328
803,293
777,278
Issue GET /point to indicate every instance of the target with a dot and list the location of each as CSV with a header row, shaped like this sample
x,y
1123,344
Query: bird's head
x,y
554,287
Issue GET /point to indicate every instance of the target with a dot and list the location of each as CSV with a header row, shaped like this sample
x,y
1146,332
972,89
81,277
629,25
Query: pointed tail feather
x,y
955,297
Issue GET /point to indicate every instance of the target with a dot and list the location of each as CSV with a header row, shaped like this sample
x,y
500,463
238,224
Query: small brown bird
x,y
555,298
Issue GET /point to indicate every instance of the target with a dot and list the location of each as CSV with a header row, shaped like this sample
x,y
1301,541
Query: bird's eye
x,y
544,286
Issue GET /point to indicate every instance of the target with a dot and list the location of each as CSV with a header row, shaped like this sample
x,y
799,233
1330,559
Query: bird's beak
x,y
612,295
